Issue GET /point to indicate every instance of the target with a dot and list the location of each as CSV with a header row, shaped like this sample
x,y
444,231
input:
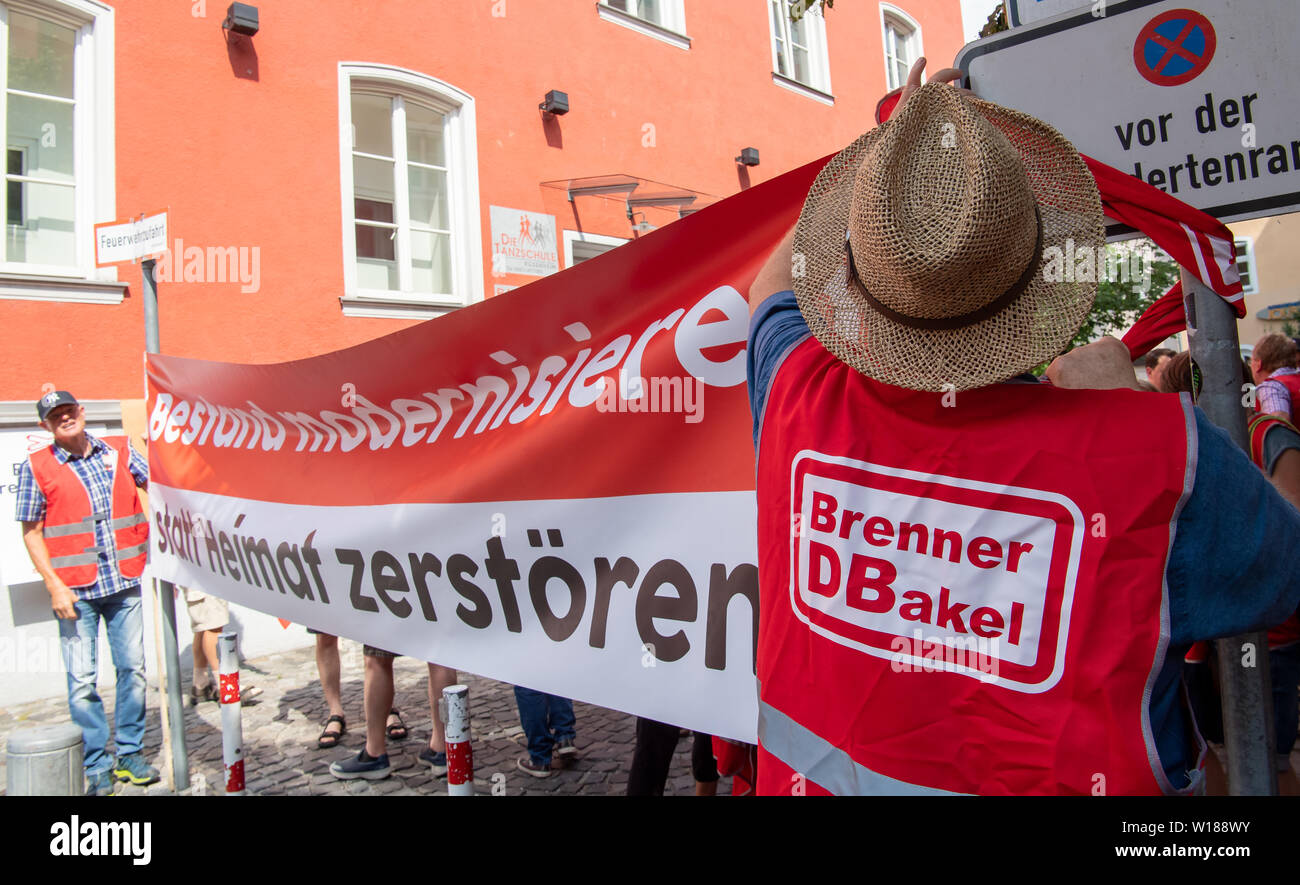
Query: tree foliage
x,y
799,7
1122,293
997,21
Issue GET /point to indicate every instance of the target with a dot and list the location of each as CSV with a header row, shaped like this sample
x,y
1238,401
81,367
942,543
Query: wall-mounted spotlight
x,y
748,157
556,102
241,18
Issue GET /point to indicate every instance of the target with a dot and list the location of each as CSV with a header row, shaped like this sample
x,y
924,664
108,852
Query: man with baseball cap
x,y
972,582
87,535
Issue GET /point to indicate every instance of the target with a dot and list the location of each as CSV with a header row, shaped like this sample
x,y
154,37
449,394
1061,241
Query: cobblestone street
x,y
281,728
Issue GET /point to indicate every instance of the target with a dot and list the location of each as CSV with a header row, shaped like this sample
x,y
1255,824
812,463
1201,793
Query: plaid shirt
x,y
1273,395
95,476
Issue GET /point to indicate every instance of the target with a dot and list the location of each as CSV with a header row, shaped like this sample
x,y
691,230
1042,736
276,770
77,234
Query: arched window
x,y
902,39
411,226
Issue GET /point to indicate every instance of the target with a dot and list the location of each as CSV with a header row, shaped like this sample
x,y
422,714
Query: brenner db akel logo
x,y
934,572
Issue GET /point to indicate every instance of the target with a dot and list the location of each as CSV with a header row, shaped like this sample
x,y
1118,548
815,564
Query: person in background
x,y
208,619
86,532
1275,449
549,725
656,743
1272,363
1155,363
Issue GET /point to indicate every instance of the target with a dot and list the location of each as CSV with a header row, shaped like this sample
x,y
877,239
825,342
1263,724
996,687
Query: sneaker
x,y
565,747
248,694
99,783
528,766
371,768
135,769
436,761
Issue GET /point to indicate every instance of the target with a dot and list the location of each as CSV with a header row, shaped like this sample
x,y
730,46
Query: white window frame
x,y
462,197
1252,269
94,156
581,236
915,43
818,53
672,30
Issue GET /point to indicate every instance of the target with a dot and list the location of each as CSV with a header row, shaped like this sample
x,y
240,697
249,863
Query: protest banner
x,y
554,487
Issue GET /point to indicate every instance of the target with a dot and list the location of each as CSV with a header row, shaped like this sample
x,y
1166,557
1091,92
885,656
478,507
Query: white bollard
x,y
232,728
460,756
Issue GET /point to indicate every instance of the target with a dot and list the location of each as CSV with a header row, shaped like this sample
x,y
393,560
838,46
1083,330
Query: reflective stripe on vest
x,y
69,530
824,764
1289,630
966,595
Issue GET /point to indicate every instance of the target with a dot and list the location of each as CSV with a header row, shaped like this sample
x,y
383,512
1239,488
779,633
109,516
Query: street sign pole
x,y
1243,660
164,591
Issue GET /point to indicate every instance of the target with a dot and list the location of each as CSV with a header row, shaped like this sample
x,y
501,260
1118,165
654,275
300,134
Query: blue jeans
x,y
124,624
546,719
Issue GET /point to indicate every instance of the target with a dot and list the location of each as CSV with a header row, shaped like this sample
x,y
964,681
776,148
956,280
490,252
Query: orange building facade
x,y
354,167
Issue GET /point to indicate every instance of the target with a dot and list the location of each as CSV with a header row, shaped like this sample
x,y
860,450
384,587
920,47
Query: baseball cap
x,y
52,401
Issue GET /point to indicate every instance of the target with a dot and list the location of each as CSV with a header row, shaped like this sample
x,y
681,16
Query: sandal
x,y
328,740
398,731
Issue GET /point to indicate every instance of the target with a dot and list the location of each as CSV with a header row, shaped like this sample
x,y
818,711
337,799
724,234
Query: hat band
x,y
966,319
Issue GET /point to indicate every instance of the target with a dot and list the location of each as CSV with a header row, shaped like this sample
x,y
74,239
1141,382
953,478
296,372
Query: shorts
x,y
367,650
206,612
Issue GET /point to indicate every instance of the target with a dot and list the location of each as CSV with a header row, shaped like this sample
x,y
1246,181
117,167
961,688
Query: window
x,y
662,19
580,246
902,38
799,57
58,131
1246,266
410,193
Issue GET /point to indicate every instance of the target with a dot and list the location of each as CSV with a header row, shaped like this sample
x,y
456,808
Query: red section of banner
x,y
509,389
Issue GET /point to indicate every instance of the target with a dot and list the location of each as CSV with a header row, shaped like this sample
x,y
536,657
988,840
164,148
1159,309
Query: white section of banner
x,y
651,615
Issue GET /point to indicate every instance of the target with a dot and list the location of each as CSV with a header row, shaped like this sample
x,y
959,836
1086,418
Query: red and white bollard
x,y
460,756
232,727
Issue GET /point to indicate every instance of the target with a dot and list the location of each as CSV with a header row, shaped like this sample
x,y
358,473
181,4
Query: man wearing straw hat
x,y
972,582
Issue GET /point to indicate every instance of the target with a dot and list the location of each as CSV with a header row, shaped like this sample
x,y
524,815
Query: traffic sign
x,y
1024,12
1174,47
130,238
1196,97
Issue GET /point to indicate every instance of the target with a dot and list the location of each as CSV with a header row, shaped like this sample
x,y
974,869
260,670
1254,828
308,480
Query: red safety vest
x,y
70,525
1289,630
963,593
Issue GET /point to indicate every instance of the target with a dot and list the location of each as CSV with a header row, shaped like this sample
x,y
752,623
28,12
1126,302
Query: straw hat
x,y
923,245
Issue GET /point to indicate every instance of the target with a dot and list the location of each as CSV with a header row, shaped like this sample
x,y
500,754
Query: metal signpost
x,y
129,240
1197,98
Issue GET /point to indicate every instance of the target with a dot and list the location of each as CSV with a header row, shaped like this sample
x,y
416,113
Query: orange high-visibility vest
x,y
70,522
